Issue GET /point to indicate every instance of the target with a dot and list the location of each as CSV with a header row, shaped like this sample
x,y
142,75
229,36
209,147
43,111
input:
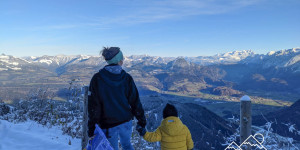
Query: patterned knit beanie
x,y
112,55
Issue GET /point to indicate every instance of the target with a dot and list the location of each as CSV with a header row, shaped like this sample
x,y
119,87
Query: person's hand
x,y
142,131
142,123
91,138
89,144
90,133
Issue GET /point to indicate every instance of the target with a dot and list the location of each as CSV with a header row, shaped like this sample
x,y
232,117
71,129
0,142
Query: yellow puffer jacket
x,y
172,134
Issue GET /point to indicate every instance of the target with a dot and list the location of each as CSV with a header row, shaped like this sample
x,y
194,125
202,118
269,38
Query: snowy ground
x,y
32,136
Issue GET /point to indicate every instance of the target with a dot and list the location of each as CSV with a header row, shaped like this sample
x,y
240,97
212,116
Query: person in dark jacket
x,y
114,100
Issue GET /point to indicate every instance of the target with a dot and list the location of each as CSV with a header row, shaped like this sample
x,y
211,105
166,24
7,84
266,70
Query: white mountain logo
x,y
252,141
233,146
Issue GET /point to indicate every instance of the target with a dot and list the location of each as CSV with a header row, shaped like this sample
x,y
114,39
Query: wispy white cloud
x,y
65,26
146,11
60,26
154,11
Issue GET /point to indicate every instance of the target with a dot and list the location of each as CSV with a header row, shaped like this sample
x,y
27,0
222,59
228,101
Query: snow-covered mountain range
x,y
231,73
282,58
60,60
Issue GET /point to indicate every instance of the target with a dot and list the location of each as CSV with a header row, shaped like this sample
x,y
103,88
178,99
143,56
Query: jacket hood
x,y
112,79
116,69
172,126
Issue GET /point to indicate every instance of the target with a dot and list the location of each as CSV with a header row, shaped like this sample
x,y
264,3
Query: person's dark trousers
x,y
122,131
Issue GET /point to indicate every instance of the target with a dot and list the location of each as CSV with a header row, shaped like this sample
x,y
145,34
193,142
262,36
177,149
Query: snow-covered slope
x,y
283,58
57,60
32,136
136,59
225,58
11,63
279,59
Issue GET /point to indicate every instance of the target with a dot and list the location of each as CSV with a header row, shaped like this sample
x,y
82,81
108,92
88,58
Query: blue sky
x,y
153,27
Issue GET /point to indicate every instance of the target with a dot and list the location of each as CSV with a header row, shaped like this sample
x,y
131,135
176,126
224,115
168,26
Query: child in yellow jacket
x,y
172,133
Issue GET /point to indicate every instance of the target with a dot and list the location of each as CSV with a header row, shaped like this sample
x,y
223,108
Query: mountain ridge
x,y
221,58
179,75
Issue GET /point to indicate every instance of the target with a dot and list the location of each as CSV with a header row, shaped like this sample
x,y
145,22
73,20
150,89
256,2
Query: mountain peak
x,y
244,53
297,49
180,62
3,56
285,52
271,53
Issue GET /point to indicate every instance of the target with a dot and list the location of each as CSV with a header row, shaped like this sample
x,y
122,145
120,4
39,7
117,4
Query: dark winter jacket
x,y
113,99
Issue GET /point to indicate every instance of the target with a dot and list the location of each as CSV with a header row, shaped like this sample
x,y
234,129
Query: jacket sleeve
x,y
189,140
135,103
153,136
94,109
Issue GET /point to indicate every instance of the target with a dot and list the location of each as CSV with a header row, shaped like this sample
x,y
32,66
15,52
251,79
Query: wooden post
x,y
245,119
85,137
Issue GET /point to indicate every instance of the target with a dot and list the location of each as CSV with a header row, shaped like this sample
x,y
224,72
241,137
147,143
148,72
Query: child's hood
x,y
172,126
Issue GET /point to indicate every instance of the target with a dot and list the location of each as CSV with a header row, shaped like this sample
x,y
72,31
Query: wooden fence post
x,y
85,137
245,119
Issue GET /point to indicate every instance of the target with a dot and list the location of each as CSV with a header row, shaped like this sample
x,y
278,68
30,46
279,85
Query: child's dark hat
x,y
170,110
